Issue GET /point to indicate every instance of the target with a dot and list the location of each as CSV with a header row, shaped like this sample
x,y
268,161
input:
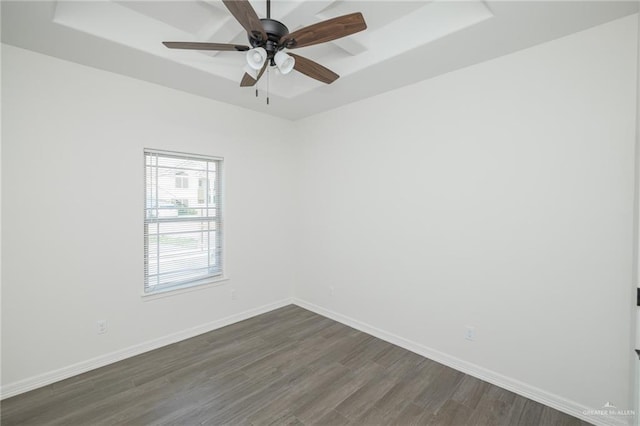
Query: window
x,y
182,180
182,226
202,190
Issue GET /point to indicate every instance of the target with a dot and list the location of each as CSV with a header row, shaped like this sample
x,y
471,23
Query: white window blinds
x,y
182,221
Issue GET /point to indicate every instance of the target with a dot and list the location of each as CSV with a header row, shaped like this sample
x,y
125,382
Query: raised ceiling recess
x,y
405,42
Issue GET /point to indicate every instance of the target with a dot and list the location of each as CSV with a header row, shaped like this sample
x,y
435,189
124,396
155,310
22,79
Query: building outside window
x,y
182,180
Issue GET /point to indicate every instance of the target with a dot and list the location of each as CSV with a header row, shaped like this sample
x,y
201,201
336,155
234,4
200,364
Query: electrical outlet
x,y
101,326
332,290
470,333
233,295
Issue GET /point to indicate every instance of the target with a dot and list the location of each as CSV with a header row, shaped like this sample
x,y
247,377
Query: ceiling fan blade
x,y
314,70
247,17
205,46
248,81
324,31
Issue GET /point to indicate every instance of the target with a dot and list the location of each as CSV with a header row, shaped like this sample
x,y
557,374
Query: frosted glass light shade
x,y
256,57
284,62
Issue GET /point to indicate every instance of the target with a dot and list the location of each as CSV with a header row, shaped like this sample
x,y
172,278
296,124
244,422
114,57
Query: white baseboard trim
x,y
539,395
48,378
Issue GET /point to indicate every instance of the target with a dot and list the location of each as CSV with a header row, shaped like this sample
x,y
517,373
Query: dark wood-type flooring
x,y
286,367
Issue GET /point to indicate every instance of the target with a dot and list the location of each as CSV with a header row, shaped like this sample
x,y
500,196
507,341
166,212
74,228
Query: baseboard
x,y
48,378
539,395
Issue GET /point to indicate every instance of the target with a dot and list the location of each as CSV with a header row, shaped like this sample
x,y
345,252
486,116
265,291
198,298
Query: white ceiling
x,y
406,41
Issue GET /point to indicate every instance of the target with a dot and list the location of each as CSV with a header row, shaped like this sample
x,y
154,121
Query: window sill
x,y
174,292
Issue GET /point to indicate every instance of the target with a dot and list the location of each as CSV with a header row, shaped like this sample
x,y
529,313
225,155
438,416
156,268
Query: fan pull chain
x,y
268,74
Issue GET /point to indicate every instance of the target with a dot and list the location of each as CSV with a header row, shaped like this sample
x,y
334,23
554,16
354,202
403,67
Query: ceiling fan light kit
x,y
268,38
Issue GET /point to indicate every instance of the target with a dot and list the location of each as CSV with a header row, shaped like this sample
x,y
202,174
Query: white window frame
x,y
150,291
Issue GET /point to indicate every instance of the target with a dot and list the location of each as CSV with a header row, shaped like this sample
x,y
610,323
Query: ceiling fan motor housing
x,y
275,31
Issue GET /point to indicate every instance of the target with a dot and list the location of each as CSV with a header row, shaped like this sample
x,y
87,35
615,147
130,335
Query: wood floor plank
x,y
364,353
396,400
277,411
531,414
470,391
413,415
286,367
451,413
390,356
442,386
332,418
494,407
364,398
407,365
287,418
339,390
371,417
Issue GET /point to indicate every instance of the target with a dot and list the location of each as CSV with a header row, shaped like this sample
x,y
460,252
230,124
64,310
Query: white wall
x,y
499,196
72,166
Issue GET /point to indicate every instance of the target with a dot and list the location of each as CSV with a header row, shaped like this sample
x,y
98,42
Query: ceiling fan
x,y
268,39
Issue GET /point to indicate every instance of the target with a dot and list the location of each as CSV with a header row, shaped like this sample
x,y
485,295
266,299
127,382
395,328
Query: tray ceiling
x,y
406,41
